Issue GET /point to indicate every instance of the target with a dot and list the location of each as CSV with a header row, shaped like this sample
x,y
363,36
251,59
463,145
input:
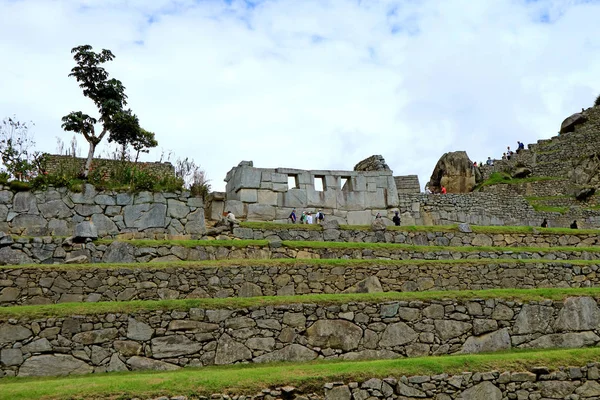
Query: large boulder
x,y
52,365
455,171
568,125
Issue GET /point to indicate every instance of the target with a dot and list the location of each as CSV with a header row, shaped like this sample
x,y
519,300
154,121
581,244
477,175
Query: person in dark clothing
x,y
396,219
545,223
292,216
574,225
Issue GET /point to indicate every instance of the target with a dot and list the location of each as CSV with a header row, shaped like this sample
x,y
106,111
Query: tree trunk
x,y
88,162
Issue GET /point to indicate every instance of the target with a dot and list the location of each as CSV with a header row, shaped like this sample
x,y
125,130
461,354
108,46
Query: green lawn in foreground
x,y
69,309
296,262
251,378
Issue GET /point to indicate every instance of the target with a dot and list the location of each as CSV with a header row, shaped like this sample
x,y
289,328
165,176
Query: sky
x,y
311,84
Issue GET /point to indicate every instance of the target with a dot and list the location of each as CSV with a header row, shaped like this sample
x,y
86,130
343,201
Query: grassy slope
x,y
294,262
252,378
69,309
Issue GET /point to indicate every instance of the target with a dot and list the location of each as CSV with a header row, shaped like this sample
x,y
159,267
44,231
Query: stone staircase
x,y
395,294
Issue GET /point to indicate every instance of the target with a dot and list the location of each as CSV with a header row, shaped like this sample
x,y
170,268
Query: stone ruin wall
x,y
56,211
57,164
199,337
263,194
33,286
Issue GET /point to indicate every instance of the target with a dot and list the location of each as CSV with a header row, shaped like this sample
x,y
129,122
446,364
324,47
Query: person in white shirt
x,y
231,219
309,218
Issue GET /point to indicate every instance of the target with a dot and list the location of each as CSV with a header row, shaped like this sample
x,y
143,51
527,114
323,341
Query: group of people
x,y
306,217
573,225
509,153
442,190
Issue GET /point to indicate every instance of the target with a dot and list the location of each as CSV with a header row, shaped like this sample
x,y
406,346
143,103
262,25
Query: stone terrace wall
x,y
262,194
57,211
482,208
56,164
48,252
422,238
197,337
565,383
59,285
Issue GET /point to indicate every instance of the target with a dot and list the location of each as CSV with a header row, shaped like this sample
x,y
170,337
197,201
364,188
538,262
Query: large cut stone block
x,y
248,195
279,178
359,217
295,198
261,212
246,178
375,199
144,216
324,199
351,201
267,197
332,182
236,207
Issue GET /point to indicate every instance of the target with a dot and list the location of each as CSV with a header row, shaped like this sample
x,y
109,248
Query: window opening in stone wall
x,y
346,183
319,183
293,182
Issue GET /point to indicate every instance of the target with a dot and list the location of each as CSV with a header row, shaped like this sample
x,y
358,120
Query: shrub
x,y
597,102
4,177
18,186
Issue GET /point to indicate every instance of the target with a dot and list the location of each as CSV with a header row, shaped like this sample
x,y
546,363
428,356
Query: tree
x,y
597,102
15,149
109,97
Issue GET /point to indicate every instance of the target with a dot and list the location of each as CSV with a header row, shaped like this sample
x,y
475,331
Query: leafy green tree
x,y
121,125
16,149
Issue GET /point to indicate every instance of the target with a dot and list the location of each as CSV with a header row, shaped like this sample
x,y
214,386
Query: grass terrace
x,y
252,378
430,228
300,244
288,262
69,309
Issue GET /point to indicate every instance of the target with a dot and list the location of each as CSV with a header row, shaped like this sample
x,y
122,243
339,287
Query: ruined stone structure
x,y
56,211
58,164
301,332
270,194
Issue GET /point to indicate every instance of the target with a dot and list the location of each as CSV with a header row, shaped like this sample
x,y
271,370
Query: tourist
x,y
303,217
475,164
545,223
444,190
574,225
309,218
427,190
230,219
489,161
520,146
509,152
320,217
292,216
396,218
378,216
504,157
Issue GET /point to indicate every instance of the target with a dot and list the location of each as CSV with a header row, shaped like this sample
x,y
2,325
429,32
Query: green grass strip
x,y
67,309
295,262
252,378
301,244
430,228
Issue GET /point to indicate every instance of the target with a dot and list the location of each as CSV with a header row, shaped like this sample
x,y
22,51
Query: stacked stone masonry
x,y
262,194
57,211
30,285
57,164
168,340
423,238
50,252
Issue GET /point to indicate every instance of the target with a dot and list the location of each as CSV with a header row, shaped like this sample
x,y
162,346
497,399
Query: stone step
x,y
540,374
48,284
60,339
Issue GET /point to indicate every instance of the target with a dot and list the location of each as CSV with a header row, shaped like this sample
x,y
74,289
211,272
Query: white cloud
x,y
314,84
